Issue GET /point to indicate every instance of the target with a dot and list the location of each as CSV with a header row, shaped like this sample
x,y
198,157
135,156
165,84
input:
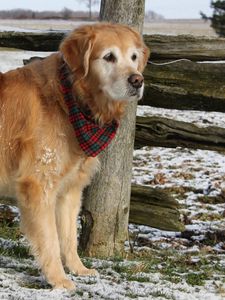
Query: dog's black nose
x,y
136,80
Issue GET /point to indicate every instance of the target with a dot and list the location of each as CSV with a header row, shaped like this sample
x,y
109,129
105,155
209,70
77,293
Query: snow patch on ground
x,y
199,118
108,285
14,59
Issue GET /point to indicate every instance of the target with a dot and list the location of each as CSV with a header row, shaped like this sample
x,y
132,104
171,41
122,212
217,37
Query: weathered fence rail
x,y
155,208
183,85
162,47
34,41
194,48
164,132
186,85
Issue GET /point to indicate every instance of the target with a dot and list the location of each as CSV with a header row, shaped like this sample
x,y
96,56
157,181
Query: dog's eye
x,y
134,57
110,57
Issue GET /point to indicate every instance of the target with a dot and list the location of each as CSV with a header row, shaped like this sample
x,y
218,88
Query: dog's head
x,y
110,57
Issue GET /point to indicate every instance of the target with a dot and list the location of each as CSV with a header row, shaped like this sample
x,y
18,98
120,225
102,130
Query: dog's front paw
x,y
86,272
64,284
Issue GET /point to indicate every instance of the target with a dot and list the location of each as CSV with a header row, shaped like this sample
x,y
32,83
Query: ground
x,y
157,264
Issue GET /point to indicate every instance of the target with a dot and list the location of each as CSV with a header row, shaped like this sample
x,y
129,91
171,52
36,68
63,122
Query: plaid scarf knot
x,y
92,138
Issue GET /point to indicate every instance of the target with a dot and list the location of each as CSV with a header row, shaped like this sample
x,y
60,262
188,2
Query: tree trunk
x,y
107,201
130,12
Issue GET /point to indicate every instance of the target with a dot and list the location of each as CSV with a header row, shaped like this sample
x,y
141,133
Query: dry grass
x,y
174,27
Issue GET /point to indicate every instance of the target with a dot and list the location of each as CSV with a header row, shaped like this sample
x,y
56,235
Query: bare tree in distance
x,y
90,4
67,13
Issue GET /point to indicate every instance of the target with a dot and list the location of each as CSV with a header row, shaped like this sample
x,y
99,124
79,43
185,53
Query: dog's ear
x,y
76,50
145,52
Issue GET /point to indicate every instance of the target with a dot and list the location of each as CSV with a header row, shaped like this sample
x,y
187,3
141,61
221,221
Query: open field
x,y
194,27
174,27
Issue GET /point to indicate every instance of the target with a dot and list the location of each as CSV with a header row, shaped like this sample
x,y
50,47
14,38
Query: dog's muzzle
x,y
136,81
136,85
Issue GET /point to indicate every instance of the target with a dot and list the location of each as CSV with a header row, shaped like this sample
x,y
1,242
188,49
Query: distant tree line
x,y
65,14
151,15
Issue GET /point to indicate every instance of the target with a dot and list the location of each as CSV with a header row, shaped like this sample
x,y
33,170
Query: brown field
x,y
174,27
171,27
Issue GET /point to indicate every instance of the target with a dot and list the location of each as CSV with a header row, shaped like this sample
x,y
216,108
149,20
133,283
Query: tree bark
x,y
130,12
107,200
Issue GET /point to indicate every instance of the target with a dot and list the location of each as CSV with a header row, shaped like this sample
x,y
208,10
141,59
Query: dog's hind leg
x,y
39,225
67,210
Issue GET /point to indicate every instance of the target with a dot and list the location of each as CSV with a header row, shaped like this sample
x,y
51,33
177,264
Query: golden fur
x,y
41,161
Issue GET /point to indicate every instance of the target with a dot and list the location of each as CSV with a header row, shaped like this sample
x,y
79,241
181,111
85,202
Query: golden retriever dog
x,y
44,161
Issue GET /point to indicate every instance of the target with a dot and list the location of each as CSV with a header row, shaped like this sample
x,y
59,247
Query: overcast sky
x,y
168,8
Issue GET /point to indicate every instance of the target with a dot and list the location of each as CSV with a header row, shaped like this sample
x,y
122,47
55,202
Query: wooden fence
x,y
184,85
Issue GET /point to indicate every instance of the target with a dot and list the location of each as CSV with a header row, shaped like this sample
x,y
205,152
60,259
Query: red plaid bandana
x,y
91,137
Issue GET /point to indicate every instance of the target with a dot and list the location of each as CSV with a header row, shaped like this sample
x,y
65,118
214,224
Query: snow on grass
x,y
166,167
14,58
19,281
37,25
195,177
199,118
